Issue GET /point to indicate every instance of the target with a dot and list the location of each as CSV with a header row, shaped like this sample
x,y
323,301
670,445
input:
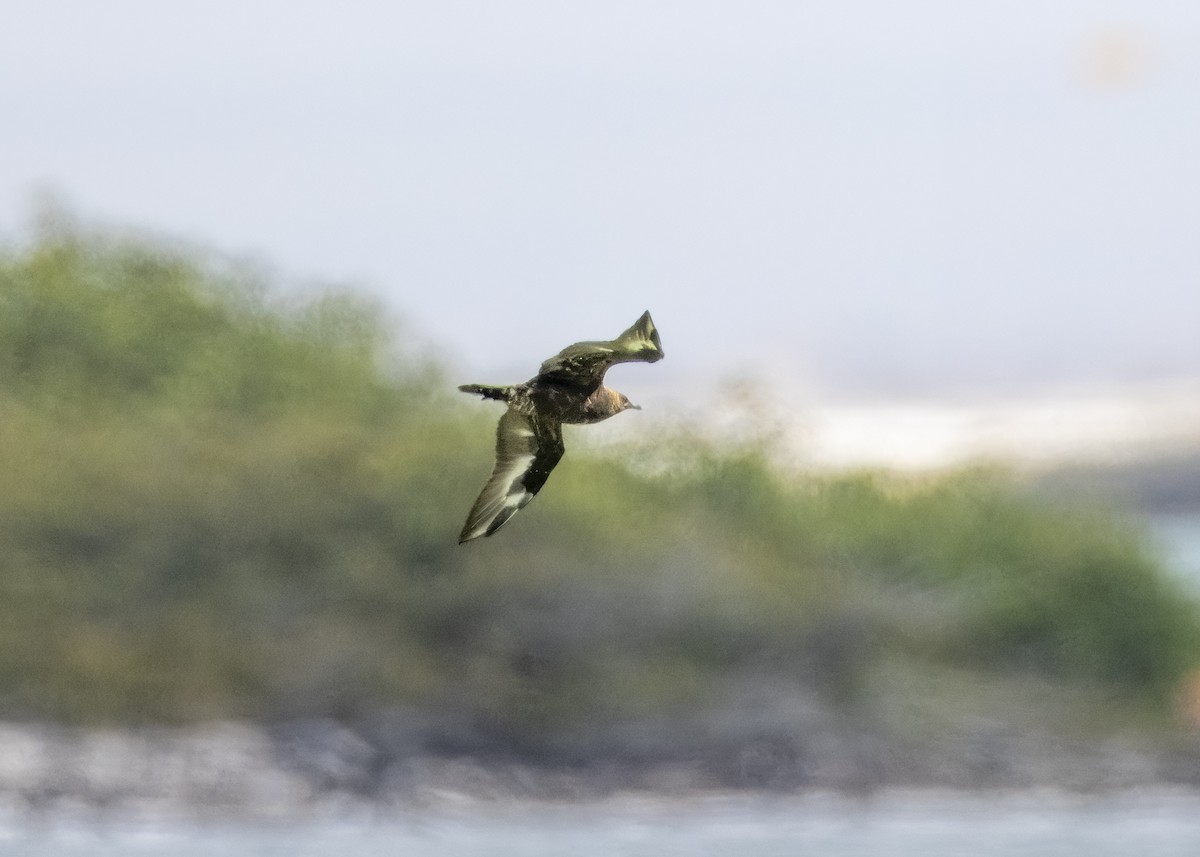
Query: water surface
x,y
906,825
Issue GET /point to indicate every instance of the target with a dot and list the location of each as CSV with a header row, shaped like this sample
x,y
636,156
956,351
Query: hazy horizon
x,y
906,200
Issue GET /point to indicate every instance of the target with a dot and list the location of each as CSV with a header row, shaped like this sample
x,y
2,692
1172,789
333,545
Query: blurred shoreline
x,y
230,771
221,507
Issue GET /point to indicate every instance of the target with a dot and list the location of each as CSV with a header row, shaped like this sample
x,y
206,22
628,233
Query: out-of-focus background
x,y
913,500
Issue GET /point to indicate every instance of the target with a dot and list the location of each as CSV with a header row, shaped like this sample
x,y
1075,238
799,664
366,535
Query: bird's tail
x,y
498,393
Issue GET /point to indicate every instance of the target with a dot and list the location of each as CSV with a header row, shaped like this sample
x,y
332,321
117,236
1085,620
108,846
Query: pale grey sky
x,y
866,197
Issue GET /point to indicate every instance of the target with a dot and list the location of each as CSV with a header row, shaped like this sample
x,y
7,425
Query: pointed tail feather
x,y
500,394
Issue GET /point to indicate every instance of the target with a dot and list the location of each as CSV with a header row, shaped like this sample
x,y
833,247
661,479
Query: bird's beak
x,y
635,407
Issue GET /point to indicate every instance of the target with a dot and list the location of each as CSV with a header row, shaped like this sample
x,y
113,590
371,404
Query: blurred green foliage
x,y
216,502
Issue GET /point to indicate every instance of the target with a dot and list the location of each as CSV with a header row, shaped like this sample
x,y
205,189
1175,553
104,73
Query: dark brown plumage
x,y
569,388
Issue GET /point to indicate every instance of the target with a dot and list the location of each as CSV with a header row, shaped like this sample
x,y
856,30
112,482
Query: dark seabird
x,y
569,388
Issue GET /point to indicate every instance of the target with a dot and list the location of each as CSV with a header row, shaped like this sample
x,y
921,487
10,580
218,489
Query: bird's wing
x,y
585,363
526,451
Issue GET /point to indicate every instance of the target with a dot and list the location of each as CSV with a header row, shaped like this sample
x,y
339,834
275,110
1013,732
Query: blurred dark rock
x,y
318,766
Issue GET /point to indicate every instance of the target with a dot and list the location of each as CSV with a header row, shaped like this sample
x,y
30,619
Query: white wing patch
x,y
523,461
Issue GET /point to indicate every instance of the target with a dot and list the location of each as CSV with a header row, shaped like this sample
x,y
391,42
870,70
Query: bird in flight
x,y
569,388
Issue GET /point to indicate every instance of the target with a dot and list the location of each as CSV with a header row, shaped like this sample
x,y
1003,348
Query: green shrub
x,y
217,502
